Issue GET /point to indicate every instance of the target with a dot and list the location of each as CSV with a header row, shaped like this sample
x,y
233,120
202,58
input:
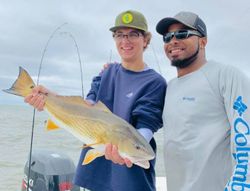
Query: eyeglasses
x,y
131,36
180,35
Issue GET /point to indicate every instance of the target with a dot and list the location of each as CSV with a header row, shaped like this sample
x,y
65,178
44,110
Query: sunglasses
x,y
180,35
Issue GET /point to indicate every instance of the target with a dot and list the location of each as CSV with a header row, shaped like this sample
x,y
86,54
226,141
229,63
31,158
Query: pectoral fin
x,y
143,164
50,125
91,155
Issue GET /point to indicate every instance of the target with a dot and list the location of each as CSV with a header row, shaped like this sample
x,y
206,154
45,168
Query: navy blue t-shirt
x,y
137,97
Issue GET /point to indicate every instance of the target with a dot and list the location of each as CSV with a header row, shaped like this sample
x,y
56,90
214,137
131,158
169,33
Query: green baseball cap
x,y
131,19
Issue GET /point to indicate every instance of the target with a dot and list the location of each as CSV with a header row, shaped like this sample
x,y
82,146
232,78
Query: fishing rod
x,y
34,110
38,78
79,58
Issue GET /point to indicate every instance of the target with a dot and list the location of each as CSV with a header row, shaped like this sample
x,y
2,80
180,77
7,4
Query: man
x,y
134,92
207,134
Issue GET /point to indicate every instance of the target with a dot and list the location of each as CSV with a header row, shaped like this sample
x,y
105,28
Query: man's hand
x,y
111,153
105,66
37,97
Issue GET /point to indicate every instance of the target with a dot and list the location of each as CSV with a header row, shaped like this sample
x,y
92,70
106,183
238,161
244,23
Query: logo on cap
x,y
127,18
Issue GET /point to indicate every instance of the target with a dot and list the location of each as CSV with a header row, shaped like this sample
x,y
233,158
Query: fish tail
x,y
23,85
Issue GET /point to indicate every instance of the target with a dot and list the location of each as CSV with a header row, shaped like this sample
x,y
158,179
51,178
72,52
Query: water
x,y
15,131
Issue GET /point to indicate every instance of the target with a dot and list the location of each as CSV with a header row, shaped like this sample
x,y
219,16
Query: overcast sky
x,y
25,27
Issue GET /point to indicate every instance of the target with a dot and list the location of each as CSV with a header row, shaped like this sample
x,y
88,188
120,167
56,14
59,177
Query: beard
x,y
187,61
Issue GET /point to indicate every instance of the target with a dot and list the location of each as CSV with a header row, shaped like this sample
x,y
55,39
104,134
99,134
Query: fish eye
x,y
137,147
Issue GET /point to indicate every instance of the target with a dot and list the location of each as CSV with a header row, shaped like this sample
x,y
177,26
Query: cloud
x,y
27,25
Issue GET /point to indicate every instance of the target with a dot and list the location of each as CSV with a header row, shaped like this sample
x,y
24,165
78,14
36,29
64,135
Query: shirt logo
x,y
239,106
239,179
129,95
188,98
127,18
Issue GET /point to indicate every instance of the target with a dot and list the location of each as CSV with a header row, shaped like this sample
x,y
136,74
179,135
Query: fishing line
x,y
110,56
156,58
38,78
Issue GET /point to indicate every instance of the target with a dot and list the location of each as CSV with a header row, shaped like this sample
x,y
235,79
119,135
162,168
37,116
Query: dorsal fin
x,y
78,100
101,106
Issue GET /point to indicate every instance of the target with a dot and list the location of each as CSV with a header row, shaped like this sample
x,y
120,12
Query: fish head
x,y
135,148
137,151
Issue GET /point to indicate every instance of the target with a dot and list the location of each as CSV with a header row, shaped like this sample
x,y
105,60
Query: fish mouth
x,y
138,159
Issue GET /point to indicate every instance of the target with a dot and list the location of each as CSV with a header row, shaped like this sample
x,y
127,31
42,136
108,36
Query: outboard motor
x,y
50,171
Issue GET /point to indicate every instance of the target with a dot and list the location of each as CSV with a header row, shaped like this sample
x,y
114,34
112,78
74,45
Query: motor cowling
x,y
50,171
